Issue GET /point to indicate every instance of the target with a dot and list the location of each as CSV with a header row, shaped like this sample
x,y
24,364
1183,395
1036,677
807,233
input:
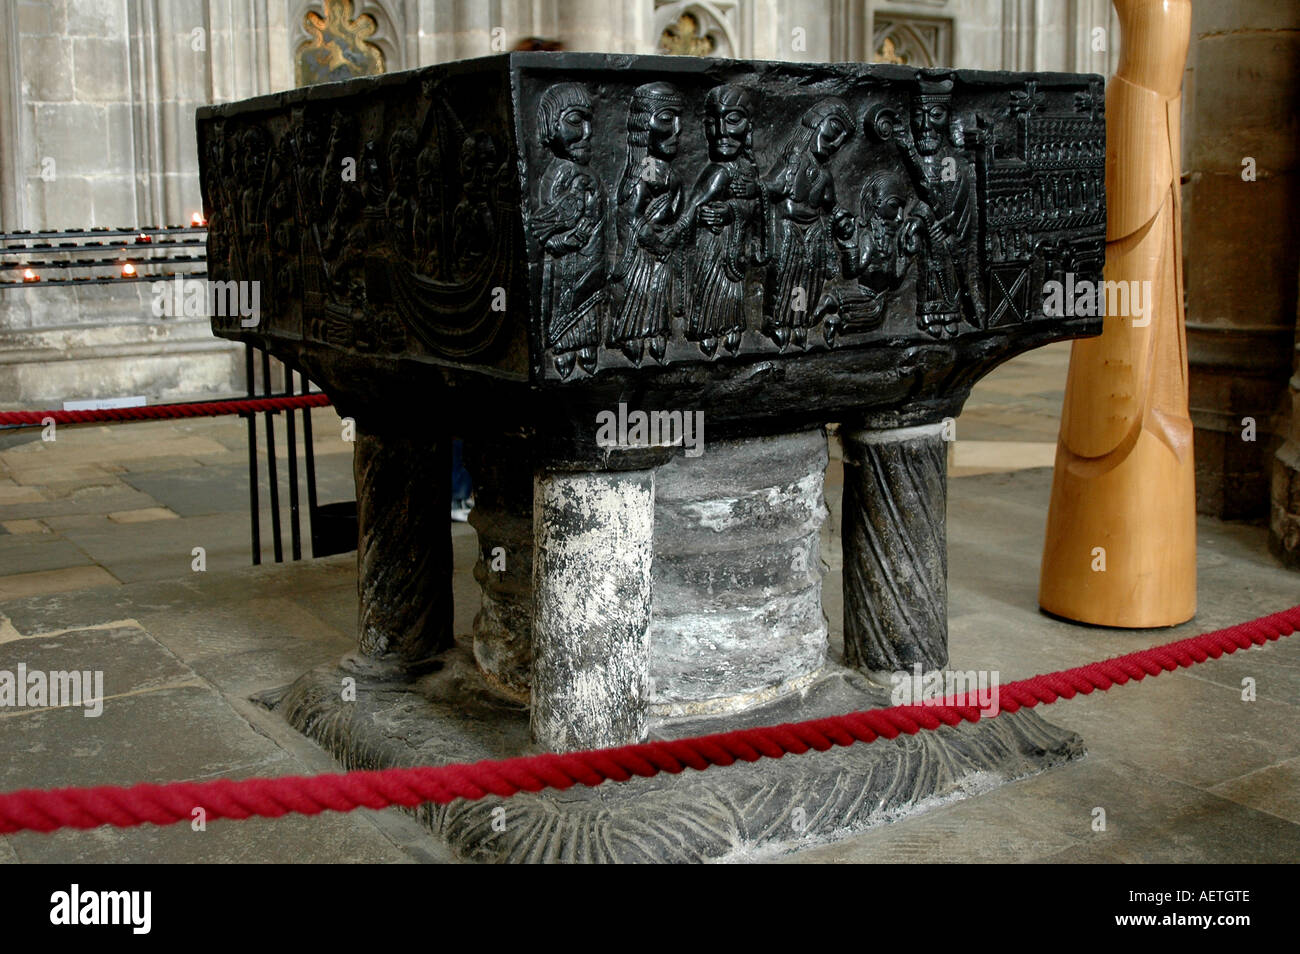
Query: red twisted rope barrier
x,y
38,810
159,411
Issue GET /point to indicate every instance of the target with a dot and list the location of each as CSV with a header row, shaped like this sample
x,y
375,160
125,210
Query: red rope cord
x,y
158,411
39,810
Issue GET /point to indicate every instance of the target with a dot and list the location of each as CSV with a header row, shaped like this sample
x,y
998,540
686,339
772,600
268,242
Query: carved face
x,y
427,172
890,212
403,164
342,132
726,127
884,203
478,164
255,157
665,128
572,135
929,126
831,134
310,141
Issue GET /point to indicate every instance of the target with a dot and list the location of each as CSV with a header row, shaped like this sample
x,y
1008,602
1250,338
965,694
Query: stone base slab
x,y
734,813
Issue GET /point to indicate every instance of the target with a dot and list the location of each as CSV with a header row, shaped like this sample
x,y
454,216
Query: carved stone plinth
x,y
730,813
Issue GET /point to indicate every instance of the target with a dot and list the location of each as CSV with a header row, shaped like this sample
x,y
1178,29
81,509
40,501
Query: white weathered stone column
x,y
593,535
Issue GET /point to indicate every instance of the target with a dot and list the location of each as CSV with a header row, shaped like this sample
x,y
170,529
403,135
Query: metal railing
x,y
35,259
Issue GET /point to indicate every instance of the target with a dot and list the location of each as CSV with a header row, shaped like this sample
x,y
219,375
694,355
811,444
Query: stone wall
x,y
97,103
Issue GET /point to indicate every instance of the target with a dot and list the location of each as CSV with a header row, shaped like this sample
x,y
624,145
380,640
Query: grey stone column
x,y
404,556
502,467
737,617
895,549
593,537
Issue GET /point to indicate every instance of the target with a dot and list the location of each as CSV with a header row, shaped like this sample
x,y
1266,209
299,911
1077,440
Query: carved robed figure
x,y
570,228
806,222
651,199
726,216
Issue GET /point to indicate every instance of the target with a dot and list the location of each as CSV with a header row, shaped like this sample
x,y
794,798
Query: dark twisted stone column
x,y
404,556
895,549
502,468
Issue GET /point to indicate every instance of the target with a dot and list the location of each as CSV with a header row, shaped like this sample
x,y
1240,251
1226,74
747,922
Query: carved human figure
x,y
948,278
284,229
877,255
427,222
340,148
726,220
252,200
806,222
651,199
1125,468
308,149
473,222
568,227
401,205
216,181
343,237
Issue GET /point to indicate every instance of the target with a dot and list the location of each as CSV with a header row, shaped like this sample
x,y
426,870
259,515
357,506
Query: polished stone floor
x,y
96,573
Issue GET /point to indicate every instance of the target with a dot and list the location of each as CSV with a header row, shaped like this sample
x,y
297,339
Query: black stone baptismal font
x,y
639,288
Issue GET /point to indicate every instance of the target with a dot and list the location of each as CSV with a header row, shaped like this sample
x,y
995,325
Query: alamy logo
x,y
1089,299
201,298
55,689
651,429
74,907
952,687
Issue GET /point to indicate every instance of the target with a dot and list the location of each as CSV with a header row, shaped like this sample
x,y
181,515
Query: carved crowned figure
x,y
725,217
806,222
569,229
948,276
651,200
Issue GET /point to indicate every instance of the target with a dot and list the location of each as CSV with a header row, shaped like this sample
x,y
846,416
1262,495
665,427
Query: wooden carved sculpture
x,y
1121,528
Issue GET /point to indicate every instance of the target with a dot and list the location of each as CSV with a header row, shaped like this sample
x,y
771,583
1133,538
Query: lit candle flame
x,y
128,270
197,219
30,276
